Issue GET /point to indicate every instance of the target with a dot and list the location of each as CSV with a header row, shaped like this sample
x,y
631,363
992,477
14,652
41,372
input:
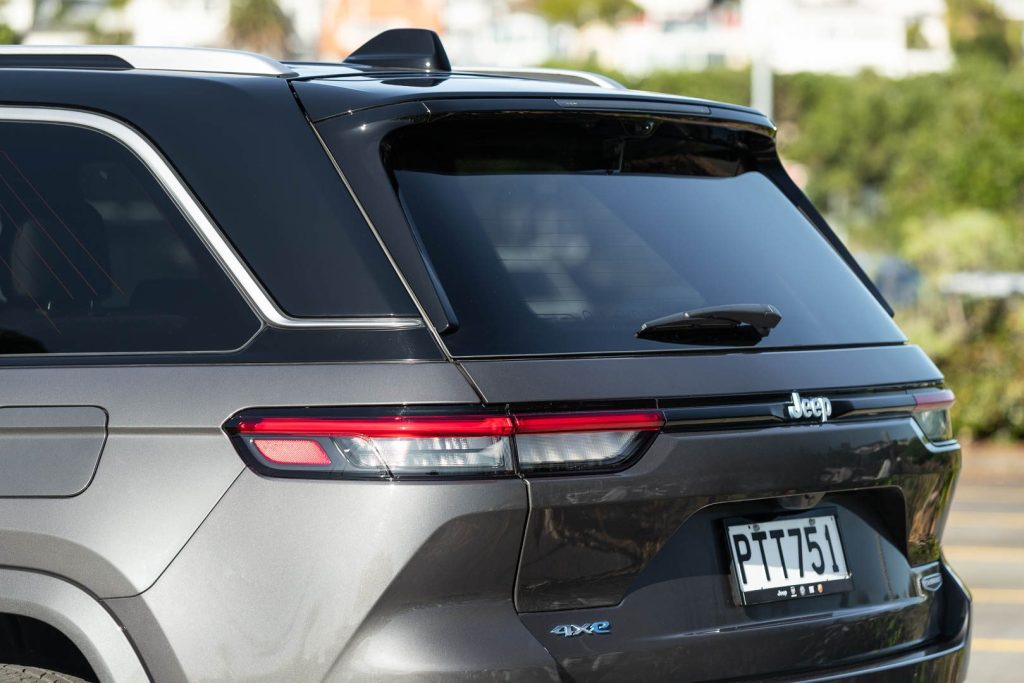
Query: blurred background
x,y
902,119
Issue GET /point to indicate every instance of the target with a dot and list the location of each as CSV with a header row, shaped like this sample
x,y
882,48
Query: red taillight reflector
x,y
934,400
382,427
643,421
292,451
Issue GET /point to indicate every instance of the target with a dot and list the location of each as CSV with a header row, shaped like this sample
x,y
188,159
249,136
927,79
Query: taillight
x,y
574,442
418,446
382,447
931,412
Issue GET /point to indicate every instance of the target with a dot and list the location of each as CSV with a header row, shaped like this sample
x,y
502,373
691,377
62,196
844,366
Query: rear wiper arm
x,y
755,319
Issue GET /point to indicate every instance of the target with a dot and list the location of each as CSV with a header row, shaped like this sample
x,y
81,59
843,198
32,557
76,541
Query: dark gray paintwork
x,y
586,543
658,626
346,580
50,451
216,573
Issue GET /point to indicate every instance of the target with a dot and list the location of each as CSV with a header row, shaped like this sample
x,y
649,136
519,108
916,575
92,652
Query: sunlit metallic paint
x,y
167,461
79,616
218,573
302,580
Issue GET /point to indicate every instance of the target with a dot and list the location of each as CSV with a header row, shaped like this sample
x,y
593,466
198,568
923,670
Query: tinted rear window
x,y
559,234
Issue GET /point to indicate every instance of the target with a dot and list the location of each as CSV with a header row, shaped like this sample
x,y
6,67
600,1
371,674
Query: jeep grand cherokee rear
x,y
739,499
417,374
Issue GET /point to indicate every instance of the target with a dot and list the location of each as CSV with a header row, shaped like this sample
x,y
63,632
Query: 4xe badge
x,y
818,408
593,628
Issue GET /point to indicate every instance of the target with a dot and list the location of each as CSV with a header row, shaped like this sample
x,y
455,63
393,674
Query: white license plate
x,y
796,557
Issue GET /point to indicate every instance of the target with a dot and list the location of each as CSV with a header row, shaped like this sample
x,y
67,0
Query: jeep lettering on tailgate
x,y
809,408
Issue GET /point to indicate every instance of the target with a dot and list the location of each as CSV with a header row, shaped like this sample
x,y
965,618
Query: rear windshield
x,y
564,234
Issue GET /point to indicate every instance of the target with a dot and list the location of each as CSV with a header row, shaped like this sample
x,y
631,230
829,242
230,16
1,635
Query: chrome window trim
x,y
209,60
223,252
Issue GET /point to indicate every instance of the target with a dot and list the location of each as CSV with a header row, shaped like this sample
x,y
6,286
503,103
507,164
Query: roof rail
x,y
135,57
421,49
541,74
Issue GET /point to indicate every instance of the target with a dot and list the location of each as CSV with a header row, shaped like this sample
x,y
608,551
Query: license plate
x,y
786,559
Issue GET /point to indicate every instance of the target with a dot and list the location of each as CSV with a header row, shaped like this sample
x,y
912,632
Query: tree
x,y
580,12
977,29
7,35
260,26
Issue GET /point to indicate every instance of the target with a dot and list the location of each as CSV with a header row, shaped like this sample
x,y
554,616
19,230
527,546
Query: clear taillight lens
x,y
427,456
395,447
932,414
558,443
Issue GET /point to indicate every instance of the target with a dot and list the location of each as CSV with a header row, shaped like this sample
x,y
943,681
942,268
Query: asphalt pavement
x,y
984,543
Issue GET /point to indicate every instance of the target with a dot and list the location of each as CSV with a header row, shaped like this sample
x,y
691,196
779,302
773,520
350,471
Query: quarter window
x,y
95,257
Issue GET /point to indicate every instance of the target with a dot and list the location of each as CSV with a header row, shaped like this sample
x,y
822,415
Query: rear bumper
x,y
942,662
486,643
915,639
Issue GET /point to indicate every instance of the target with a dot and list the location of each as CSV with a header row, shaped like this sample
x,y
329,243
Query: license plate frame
x,y
808,586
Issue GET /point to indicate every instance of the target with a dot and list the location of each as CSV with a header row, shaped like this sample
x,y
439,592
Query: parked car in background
x,y
386,370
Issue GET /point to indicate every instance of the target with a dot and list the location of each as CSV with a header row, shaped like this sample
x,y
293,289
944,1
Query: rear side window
x,y
563,234
95,257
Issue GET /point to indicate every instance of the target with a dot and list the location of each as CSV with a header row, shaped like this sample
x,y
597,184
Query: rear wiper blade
x,y
754,321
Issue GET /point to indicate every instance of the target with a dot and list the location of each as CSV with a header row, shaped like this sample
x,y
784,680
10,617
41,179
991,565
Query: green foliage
x,y
724,85
979,345
98,36
978,30
967,239
580,12
915,36
260,26
8,36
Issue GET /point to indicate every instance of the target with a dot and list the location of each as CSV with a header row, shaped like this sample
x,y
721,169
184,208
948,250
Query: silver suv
x,y
390,371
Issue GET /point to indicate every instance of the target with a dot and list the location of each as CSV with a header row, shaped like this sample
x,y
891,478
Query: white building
x,y
847,36
202,23
892,37
895,38
18,14
488,33
186,23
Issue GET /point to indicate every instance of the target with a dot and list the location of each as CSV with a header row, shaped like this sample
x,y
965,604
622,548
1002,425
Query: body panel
x,y
79,616
167,462
304,580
